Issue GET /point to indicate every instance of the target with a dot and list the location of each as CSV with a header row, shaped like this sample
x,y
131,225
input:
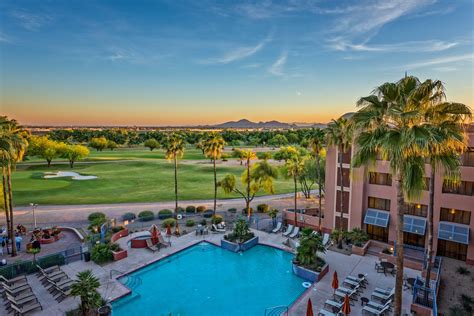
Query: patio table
x,y
386,265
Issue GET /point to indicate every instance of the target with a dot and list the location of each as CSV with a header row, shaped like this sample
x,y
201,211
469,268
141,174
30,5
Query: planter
x,y
119,255
310,275
118,235
360,251
236,247
49,240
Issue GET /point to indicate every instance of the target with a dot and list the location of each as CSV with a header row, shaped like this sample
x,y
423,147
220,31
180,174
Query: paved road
x,y
63,214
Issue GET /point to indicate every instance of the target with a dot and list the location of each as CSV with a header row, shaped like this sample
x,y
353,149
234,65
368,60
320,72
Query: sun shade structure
x,y
346,306
309,308
154,232
414,224
454,232
376,217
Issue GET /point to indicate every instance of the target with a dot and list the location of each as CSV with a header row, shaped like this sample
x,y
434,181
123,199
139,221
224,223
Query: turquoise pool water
x,y
208,280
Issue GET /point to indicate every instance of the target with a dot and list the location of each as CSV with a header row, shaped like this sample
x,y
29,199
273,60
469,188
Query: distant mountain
x,y
249,124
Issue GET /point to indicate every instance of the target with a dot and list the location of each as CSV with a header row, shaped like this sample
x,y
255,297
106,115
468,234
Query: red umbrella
x,y
168,230
154,233
309,309
346,306
335,281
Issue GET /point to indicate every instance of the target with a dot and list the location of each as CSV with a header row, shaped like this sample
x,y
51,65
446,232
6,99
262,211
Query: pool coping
x,y
129,291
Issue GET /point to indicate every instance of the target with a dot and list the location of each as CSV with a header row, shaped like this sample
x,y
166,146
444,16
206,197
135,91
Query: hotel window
x,y
468,157
345,177
377,233
380,178
455,216
346,157
462,188
414,239
416,209
452,249
378,203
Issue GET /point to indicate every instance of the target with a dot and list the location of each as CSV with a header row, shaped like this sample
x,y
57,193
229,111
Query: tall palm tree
x,y
339,134
391,122
446,119
213,148
13,145
85,287
248,155
174,150
315,144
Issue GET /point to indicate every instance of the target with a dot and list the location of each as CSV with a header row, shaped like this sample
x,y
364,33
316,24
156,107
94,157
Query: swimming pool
x,y
208,280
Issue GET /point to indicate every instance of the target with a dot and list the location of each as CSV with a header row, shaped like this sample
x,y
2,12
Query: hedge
x,y
232,210
164,214
217,219
146,216
263,208
93,217
190,209
189,223
129,216
168,222
200,208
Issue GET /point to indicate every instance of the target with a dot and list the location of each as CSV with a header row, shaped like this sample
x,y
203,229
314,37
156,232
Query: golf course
x,y
126,175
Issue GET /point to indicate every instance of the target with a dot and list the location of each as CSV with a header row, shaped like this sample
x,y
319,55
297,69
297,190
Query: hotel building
x,y
370,203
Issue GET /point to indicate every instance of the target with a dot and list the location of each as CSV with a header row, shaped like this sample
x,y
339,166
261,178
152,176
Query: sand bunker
x,y
62,174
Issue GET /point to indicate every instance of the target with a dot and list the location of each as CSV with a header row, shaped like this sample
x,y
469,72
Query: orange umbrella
x,y
346,306
335,281
168,230
176,230
154,233
309,309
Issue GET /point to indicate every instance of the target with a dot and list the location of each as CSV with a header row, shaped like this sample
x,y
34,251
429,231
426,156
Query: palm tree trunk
x,y
399,248
296,200
5,196
429,249
341,201
10,207
249,213
176,193
318,165
215,187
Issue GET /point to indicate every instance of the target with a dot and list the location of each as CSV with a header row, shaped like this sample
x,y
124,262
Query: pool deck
x,y
137,258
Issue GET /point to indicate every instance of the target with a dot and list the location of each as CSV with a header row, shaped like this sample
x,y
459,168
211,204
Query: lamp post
x,y
33,205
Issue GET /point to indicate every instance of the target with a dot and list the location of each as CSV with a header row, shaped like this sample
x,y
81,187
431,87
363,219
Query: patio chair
x,y
161,241
381,297
26,308
15,290
295,232
361,281
49,270
332,304
323,312
288,231
378,306
150,245
13,281
350,292
341,295
373,311
383,291
352,284
19,302
63,284
50,273
55,278
215,229
326,240
61,295
277,228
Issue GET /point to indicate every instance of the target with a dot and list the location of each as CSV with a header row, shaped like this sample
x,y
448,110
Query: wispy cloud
x,y
4,38
441,61
410,47
31,21
238,53
253,65
276,68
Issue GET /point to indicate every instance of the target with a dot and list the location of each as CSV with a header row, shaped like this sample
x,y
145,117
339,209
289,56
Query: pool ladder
x,y
281,310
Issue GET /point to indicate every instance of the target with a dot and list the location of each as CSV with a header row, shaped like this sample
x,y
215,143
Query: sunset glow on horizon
x,y
196,63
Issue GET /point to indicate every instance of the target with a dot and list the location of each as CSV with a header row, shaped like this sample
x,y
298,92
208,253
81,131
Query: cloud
x,y
4,38
238,53
31,21
441,61
409,47
276,68
298,93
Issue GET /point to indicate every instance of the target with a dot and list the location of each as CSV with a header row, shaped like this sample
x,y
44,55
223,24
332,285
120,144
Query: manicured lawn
x,y
121,182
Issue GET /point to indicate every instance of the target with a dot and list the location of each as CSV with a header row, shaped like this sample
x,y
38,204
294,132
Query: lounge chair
x,y
215,229
26,308
61,295
20,302
323,312
62,285
378,306
383,291
150,245
341,295
55,278
374,311
381,297
12,281
277,228
351,284
352,293
162,242
288,231
326,240
295,232
362,281
332,304
16,289
49,270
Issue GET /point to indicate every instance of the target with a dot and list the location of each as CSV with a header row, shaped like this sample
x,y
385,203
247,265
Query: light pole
x,y
33,205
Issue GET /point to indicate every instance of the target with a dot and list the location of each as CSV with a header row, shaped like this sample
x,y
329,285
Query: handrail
x,y
276,310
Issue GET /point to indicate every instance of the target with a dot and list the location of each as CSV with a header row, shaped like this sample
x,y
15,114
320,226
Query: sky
x,y
172,62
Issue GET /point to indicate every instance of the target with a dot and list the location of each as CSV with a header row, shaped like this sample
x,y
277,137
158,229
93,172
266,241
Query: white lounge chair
x,y
381,297
323,312
326,240
288,231
383,291
378,306
295,232
216,229
332,304
277,228
373,311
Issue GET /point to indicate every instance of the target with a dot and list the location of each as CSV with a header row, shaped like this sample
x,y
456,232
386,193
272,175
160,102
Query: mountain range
x,y
244,123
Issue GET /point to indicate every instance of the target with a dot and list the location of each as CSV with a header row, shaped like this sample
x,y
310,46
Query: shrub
x,y
263,208
462,270
97,217
164,214
168,222
190,209
146,216
101,253
189,223
358,237
273,213
232,210
217,219
245,212
208,213
306,253
129,216
241,232
203,222
116,229
115,247
180,209
200,208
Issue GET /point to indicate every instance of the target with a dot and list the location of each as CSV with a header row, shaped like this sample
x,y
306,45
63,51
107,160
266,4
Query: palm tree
x,y
446,120
339,134
316,141
86,287
213,148
391,123
174,150
248,155
13,145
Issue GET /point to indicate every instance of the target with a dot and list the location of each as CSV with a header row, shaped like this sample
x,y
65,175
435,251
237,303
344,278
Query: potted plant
x,y
240,239
307,264
359,240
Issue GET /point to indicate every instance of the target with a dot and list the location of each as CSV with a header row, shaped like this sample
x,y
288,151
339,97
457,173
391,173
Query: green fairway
x,y
121,182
